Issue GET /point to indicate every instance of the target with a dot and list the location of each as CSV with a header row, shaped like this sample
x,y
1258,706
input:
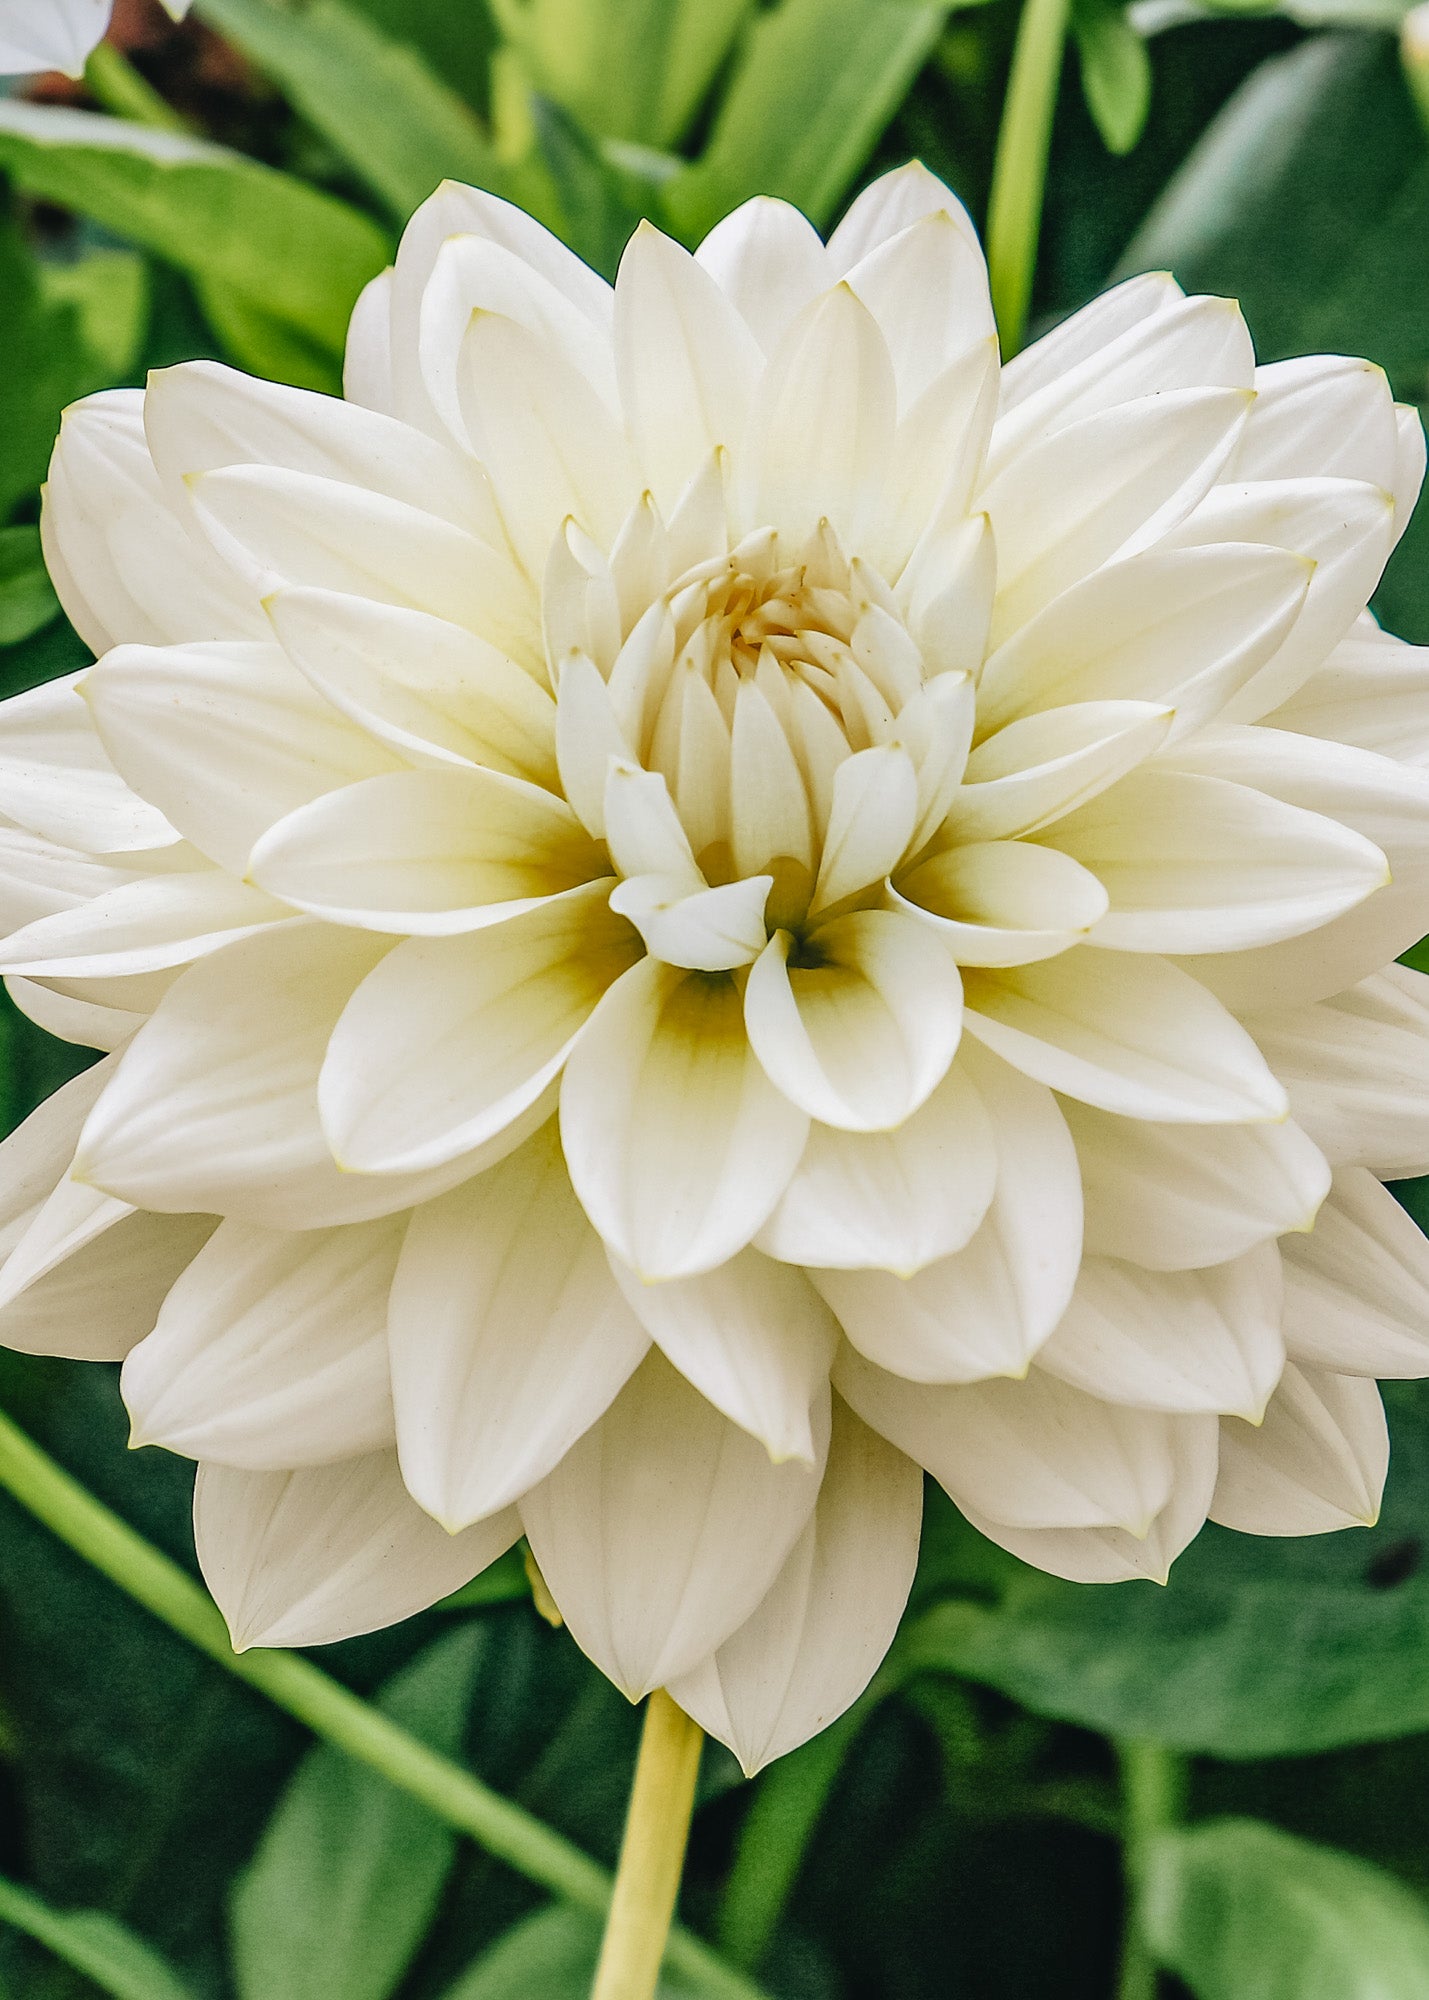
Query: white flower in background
x,y
728,902
37,35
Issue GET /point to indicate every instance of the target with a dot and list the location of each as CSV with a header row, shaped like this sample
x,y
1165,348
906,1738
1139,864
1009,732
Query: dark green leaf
x,y
349,1871
298,254
816,82
1116,71
399,127
27,598
109,290
1241,1911
116,1960
551,1955
1255,1648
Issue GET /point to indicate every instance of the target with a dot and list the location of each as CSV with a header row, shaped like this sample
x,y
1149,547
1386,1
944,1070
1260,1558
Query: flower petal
x,y
822,1631
1003,902
147,926
768,261
57,780
509,1337
663,1527
329,1551
1317,1463
1042,766
677,1143
1357,1287
96,1302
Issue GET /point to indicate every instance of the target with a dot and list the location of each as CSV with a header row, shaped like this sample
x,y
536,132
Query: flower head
x,y
705,900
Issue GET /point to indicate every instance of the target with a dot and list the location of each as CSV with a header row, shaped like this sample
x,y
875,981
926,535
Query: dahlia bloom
x,y
38,35
702,900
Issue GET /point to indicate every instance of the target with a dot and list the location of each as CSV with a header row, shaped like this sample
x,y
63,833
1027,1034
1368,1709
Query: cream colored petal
x,y
753,1337
1320,416
1317,1463
863,1035
830,1616
1033,1454
509,1337
1409,464
1354,1067
433,852
449,1041
686,360
1129,1034
95,1303
367,361
887,207
705,930
1179,1197
663,1528
1373,692
1106,485
427,689
1088,334
56,35
890,1201
926,286
1357,1287
147,579
40,878
1182,628
1196,864
1180,1341
768,260
871,820
1041,767
37,1154
677,1143
1112,1555
147,926
326,1552
226,738
821,425
1003,902
271,1349
57,780
986,1309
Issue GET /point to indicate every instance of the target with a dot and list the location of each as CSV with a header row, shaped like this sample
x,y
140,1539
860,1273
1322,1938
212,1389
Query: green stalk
x,y
1019,171
331,1711
112,80
1153,1787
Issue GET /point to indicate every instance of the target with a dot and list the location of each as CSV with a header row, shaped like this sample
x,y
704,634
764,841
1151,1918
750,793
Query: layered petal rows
x,y
701,900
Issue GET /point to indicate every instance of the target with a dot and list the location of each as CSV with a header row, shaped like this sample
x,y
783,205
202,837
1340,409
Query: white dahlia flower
x,y
704,900
37,35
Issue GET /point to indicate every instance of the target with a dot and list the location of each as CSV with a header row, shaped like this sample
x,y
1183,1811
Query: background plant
x,y
1049,1788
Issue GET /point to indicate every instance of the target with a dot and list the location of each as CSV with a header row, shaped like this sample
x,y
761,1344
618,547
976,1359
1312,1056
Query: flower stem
x,y
1019,172
652,1854
112,80
330,1710
1153,1784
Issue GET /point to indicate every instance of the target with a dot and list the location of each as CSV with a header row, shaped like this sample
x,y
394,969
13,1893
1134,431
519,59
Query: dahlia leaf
x,y
97,1945
554,1954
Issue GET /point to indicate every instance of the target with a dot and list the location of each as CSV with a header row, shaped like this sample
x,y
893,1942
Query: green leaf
x,y
553,1955
297,254
1241,1911
27,598
629,69
1116,72
816,83
109,291
118,1962
596,217
349,1871
1256,1648
254,340
374,99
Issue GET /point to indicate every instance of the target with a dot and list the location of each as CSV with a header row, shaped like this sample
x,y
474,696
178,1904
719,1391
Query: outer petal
x,y
677,1143
57,35
1128,1034
1373,692
767,258
271,1349
1355,1069
1357,1287
449,1040
150,925
754,1338
56,778
985,1310
1086,335
1181,1341
304,1558
1316,1463
663,1528
819,1636
95,1303
509,1337
1179,1197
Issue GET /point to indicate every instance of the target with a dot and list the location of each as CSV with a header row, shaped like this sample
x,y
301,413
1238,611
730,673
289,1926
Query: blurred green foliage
x,y
163,1831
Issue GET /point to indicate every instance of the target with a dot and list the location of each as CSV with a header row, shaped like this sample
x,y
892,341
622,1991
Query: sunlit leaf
x,y
99,1946
1116,71
27,598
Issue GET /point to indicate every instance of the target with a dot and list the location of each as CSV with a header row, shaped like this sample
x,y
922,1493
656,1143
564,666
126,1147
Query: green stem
x,y
112,80
652,1854
1019,171
329,1710
1153,1786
